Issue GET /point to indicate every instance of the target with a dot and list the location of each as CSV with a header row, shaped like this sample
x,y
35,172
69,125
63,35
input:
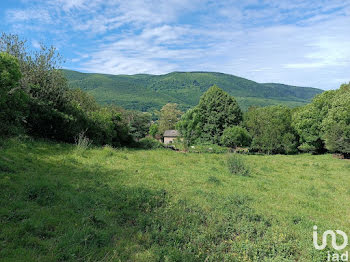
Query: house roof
x,y
171,133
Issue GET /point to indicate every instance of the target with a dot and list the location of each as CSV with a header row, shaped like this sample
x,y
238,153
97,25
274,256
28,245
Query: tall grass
x,y
236,165
82,142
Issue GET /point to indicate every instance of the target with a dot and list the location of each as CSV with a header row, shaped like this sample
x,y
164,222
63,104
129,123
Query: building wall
x,y
169,140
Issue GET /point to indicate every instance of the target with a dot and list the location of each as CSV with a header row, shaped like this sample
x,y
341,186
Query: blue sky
x,y
294,42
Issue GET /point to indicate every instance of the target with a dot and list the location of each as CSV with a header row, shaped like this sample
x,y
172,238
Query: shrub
x,y
236,165
13,101
31,82
236,136
150,143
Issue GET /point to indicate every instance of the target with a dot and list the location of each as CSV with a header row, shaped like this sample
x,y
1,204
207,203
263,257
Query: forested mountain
x,y
149,92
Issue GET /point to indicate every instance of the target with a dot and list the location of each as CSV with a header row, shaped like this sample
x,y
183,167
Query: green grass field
x,y
102,204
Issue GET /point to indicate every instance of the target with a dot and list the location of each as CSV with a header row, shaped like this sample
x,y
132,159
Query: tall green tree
x,y
217,110
169,115
138,122
271,130
336,124
190,127
307,121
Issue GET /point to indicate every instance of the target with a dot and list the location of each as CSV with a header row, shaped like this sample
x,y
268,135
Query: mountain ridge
x,y
146,92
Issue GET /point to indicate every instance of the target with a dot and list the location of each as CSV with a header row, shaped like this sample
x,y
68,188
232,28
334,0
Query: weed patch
x,y
237,166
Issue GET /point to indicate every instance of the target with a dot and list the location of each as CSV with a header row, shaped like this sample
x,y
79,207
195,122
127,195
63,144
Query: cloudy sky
x,y
294,42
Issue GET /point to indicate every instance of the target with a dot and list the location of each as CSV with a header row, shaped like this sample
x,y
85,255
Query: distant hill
x,y
149,92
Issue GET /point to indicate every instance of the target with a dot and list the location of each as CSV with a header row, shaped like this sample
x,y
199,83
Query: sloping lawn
x,y
61,204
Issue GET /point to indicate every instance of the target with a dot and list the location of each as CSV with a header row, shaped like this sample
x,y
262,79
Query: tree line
x,y
35,99
319,127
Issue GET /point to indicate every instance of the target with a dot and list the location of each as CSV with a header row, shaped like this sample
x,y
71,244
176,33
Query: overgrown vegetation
x,y
325,123
35,100
236,136
169,115
237,166
13,101
150,143
271,130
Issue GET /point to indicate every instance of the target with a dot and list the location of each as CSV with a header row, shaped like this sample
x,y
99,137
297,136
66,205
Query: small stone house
x,y
170,135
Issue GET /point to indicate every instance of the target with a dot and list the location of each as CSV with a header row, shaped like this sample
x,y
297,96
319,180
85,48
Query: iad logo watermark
x,y
332,256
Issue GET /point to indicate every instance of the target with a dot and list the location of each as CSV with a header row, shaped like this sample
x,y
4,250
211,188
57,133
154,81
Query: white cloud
x,y
40,15
36,44
291,41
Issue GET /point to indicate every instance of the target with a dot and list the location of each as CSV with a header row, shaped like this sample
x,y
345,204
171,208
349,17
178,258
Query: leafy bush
x,y
56,112
153,130
190,127
236,165
13,101
150,143
236,136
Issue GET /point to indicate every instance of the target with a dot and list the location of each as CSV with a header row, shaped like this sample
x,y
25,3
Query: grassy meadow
x,y
59,203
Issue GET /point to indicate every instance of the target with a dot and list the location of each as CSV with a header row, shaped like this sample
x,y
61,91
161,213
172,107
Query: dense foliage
x,y
150,92
137,122
307,122
324,124
153,130
236,136
150,143
169,115
190,127
271,130
35,98
216,111
336,124
13,101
